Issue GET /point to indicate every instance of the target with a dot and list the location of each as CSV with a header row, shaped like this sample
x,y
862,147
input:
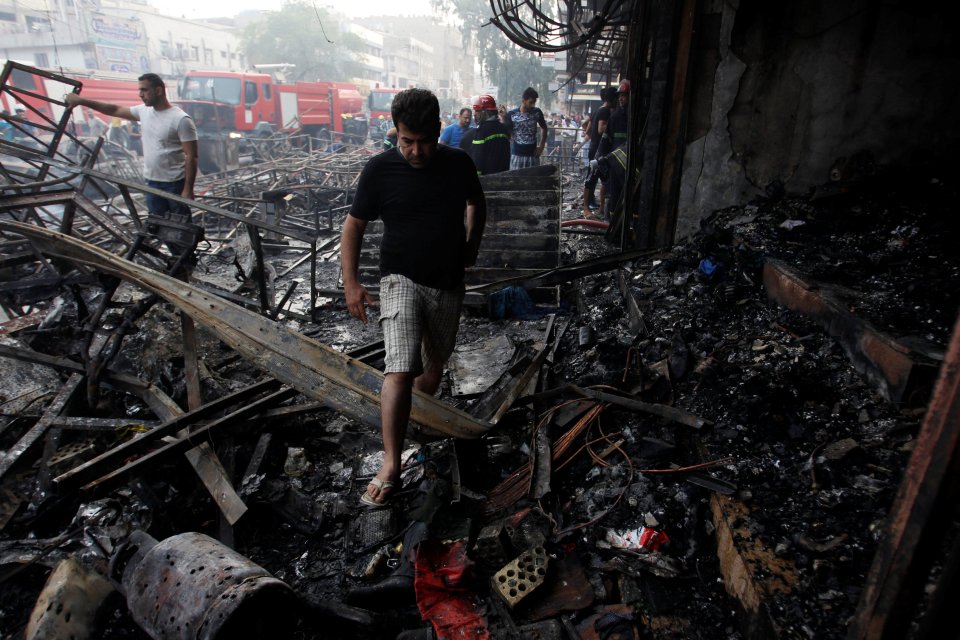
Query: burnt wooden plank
x,y
920,519
497,200
517,259
506,219
486,259
505,182
520,241
894,368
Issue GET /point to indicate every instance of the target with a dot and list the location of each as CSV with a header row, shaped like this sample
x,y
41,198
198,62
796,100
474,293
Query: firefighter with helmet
x,y
489,143
616,133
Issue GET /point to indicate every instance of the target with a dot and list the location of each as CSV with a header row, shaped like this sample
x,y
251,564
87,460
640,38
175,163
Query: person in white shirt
x,y
169,138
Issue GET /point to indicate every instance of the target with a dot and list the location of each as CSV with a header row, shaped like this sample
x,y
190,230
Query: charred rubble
x,y
708,441
675,454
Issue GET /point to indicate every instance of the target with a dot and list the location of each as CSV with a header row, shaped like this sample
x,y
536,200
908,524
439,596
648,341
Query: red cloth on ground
x,y
442,598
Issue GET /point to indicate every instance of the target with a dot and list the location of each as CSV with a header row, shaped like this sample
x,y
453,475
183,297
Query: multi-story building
x,y
431,54
373,66
120,36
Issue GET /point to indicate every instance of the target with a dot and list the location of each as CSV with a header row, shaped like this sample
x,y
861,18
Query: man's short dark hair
x,y
154,80
530,92
417,109
608,94
466,110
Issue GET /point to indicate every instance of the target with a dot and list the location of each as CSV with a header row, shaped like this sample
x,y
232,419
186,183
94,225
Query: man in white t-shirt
x,y
169,139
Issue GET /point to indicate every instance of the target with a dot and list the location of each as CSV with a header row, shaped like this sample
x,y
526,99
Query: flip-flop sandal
x,y
382,485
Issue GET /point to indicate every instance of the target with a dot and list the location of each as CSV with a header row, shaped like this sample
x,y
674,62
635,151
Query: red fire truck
x,y
35,88
239,104
378,102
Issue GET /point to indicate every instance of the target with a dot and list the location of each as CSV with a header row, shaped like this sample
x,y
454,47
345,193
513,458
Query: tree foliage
x,y
307,36
507,66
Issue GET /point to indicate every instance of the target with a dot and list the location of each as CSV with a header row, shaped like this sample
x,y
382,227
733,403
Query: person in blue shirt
x,y
453,132
522,123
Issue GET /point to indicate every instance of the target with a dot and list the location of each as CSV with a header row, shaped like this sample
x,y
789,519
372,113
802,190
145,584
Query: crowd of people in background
x,y
594,141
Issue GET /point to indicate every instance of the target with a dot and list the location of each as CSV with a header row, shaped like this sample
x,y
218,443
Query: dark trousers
x,y
160,206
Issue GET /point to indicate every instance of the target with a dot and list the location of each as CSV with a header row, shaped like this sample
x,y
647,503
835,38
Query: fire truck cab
x,y
381,118
237,104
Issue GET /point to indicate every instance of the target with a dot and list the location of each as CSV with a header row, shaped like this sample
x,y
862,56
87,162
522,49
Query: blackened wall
x,y
782,90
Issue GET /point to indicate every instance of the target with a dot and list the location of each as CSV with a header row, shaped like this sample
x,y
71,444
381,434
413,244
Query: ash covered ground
x,y
797,437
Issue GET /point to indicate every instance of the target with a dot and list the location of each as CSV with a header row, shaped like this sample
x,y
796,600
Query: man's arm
x,y
446,134
476,221
190,157
106,108
357,296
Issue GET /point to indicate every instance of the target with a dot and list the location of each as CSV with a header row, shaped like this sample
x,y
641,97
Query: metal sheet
x,y
476,366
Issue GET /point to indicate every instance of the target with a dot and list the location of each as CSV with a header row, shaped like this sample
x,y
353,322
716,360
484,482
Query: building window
x,y
38,24
7,16
223,54
41,60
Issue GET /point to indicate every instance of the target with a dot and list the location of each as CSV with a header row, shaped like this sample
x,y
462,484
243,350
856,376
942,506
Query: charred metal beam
x,y
59,403
112,458
670,413
160,403
43,199
30,155
75,423
114,478
261,274
340,382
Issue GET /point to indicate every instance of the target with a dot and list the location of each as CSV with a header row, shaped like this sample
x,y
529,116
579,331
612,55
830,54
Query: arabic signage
x,y
106,29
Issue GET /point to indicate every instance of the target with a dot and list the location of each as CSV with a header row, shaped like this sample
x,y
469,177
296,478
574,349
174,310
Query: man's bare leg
x,y
428,381
395,399
586,202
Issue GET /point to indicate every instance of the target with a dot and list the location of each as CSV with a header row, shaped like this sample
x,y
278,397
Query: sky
x,y
352,8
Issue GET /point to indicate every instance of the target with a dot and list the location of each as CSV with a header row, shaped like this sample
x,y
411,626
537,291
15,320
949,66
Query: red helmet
x,y
484,103
624,87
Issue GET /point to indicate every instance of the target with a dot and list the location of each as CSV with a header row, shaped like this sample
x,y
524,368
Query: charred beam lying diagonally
x,y
339,381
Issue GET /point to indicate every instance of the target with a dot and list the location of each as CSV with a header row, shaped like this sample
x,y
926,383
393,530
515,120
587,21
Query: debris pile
x,y
671,449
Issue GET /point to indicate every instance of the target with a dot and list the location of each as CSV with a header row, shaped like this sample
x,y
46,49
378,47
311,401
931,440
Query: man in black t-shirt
x,y
616,133
433,211
598,126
